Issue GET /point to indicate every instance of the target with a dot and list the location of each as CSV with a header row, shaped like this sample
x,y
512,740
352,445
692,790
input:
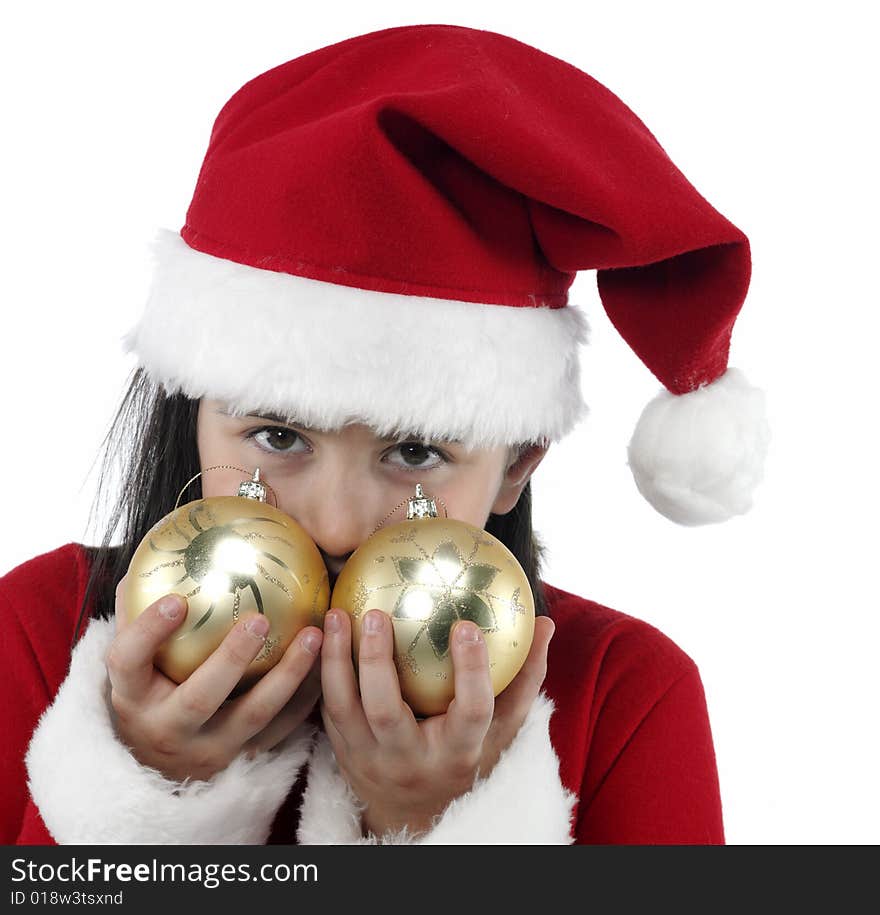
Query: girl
x,y
371,290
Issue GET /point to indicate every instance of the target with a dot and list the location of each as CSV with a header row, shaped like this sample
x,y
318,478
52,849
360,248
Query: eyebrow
x,y
291,421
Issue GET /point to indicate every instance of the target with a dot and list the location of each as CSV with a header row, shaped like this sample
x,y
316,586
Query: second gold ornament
x,y
427,573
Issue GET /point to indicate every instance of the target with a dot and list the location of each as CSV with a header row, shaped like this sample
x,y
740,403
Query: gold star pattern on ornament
x,y
441,589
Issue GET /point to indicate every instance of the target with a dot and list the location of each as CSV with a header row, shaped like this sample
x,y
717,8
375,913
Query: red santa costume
x,y
400,206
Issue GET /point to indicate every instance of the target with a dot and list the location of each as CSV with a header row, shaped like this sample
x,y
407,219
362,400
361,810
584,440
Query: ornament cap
x,y
253,488
420,505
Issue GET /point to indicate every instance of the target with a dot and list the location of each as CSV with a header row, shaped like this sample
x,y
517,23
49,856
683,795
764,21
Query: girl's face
x,y
340,485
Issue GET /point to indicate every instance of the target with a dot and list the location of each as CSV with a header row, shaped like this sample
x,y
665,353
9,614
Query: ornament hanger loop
x,y
418,506
255,478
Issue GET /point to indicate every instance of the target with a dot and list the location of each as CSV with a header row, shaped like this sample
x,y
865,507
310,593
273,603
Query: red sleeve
x,y
662,786
25,694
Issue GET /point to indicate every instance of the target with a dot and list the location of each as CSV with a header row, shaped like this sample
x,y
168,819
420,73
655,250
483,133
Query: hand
x,y
181,730
407,771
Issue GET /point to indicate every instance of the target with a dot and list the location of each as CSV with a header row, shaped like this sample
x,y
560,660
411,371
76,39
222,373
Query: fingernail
x,y
467,632
374,621
331,621
311,641
257,626
170,606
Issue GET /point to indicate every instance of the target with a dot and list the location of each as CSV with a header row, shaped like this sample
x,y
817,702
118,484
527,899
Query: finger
x,y
513,704
291,716
130,658
470,712
338,685
209,685
251,713
390,718
337,741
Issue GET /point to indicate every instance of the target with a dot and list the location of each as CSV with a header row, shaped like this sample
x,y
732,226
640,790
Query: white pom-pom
x,y
698,457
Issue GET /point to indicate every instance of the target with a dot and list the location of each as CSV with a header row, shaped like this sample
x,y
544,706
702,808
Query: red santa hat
x,y
385,231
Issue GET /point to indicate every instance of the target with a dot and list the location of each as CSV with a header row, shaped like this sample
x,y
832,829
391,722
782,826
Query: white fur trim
x,y
91,791
521,802
698,457
327,354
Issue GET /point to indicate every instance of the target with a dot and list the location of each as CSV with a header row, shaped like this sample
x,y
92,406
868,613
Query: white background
x,y
769,109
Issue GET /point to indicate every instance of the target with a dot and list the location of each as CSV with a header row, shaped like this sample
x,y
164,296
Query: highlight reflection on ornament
x,y
442,588
221,560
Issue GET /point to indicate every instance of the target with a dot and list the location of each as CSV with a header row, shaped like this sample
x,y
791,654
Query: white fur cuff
x,y
521,802
91,791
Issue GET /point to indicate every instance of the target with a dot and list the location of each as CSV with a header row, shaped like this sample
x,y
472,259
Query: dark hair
x,y
151,449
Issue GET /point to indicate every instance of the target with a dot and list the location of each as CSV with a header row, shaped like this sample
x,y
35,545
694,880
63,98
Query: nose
x,y
336,542
338,513
337,536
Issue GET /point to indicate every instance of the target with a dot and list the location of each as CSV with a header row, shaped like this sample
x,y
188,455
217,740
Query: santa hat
x,y
385,231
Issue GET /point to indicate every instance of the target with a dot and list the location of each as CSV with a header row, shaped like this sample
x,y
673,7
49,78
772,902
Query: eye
x,y
414,454
276,439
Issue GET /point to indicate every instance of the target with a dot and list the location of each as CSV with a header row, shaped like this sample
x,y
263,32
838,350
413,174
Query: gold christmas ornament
x,y
228,555
427,573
